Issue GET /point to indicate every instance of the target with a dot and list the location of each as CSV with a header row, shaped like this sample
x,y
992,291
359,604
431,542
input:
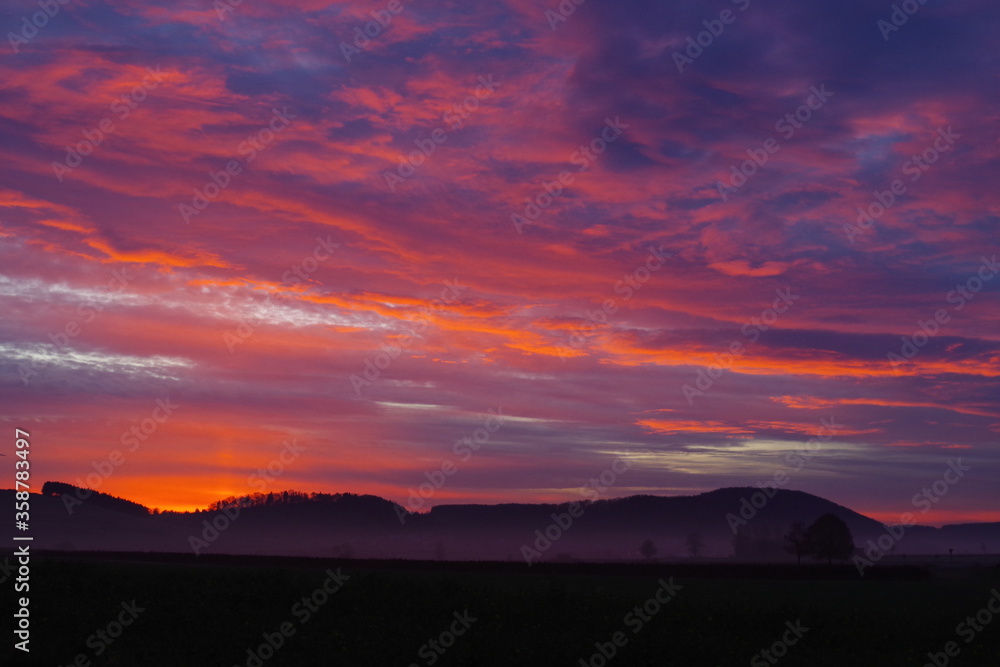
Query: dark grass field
x,y
210,611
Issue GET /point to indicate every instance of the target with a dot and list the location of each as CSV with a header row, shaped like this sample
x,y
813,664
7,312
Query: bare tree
x,y
795,540
695,544
648,549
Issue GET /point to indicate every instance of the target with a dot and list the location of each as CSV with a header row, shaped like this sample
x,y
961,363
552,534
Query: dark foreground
x,y
169,610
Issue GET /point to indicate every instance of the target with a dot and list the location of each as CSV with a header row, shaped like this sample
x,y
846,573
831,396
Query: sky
x,y
495,247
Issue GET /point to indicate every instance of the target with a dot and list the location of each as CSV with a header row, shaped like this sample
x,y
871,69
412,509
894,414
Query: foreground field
x,y
222,610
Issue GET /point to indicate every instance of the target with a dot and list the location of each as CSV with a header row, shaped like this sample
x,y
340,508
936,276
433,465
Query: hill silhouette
x,y
350,525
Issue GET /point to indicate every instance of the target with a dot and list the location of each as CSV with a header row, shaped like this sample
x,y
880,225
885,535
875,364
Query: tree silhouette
x,y
695,544
795,540
829,537
648,549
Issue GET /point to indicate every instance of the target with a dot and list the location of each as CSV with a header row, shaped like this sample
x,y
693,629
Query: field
x,y
218,611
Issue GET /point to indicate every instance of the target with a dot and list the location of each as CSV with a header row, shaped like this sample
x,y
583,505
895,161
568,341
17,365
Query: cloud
x,y
586,350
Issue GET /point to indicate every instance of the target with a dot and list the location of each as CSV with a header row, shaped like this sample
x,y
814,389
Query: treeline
x,y
94,498
280,498
828,538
